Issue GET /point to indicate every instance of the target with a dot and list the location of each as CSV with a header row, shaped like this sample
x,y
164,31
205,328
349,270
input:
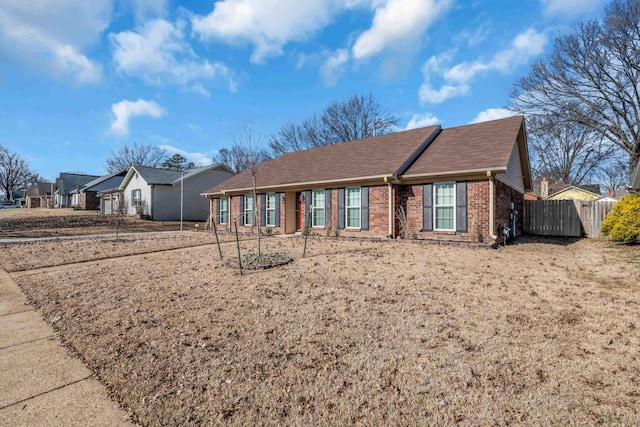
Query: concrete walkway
x,y
40,383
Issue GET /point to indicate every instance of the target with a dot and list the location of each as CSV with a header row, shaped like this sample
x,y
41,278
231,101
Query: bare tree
x,y
360,116
247,147
614,176
564,151
592,78
14,173
239,157
136,155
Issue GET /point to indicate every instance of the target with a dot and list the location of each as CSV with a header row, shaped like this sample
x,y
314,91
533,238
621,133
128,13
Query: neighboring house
x,y
67,183
157,193
531,195
39,195
86,196
635,181
462,184
587,193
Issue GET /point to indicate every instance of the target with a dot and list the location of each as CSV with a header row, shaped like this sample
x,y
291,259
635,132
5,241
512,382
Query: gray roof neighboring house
x,y
158,176
40,189
102,183
68,182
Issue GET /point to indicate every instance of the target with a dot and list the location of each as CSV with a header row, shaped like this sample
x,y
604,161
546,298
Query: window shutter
x,y
307,207
461,206
278,197
263,209
218,211
364,208
241,210
341,209
327,206
427,207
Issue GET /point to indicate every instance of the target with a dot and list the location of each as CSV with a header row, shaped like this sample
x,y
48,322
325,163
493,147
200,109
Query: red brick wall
x,y
235,214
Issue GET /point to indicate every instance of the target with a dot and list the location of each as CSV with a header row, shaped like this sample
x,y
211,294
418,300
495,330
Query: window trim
x,y
248,211
224,213
136,203
347,207
436,205
270,209
318,208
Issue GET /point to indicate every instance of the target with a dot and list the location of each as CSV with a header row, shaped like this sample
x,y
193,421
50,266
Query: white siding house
x,y
157,193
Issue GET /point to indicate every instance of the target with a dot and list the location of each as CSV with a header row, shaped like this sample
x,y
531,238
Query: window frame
x,y
249,213
317,209
224,213
348,207
270,209
136,202
451,206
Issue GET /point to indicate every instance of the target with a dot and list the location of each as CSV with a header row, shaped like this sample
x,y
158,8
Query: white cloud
x,y
493,114
524,47
158,53
266,24
398,24
422,120
571,7
125,110
436,65
332,67
39,33
198,159
144,9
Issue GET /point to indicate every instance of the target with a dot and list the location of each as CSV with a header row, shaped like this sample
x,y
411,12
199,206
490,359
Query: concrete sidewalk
x,y
40,383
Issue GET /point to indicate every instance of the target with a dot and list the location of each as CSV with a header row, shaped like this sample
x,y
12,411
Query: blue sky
x,y
80,79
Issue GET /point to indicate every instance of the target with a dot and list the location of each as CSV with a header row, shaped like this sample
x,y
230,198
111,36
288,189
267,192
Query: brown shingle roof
x,y
480,146
377,156
476,147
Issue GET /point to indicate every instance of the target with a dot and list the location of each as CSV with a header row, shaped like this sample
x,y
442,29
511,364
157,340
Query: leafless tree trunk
x,y
592,78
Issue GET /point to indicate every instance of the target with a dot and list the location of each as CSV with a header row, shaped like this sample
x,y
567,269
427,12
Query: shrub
x,y
623,223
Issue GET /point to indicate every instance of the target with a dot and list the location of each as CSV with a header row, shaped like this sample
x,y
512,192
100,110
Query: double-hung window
x,y
271,209
353,207
224,210
318,208
248,210
136,198
444,212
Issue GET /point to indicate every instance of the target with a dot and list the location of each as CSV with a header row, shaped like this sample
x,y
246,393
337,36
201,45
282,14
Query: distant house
x,y
458,184
39,195
635,180
157,193
86,196
587,192
67,183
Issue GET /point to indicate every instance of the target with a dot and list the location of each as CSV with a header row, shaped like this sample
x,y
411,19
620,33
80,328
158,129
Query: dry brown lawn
x,y
364,333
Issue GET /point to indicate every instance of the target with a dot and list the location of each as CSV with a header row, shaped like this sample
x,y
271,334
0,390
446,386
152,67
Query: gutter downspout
x,y
391,205
153,190
491,206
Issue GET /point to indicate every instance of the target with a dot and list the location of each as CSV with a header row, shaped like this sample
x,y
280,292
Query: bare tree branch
x,y
136,155
14,173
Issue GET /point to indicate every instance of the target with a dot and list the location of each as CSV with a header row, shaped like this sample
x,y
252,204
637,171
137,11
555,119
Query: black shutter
x,y
218,211
341,209
461,206
364,208
278,198
307,208
241,210
427,207
327,207
263,210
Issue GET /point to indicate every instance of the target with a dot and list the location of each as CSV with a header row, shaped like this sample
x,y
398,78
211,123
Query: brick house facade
x,y
461,184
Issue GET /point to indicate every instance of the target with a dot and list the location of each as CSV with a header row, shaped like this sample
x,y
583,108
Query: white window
x,y
353,207
224,210
317,208
444,212
248,210
136,198
271,209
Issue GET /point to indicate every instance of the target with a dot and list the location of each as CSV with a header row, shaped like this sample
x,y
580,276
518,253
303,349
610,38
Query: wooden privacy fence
x,y
566,218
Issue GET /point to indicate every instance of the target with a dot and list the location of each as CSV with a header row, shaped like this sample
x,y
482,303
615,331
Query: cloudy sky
x,y
80,79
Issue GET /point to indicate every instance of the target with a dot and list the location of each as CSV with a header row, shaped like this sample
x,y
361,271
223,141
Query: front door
x,y
299,212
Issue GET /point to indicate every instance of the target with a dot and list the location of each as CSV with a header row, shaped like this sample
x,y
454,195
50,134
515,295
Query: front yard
x,y
355,333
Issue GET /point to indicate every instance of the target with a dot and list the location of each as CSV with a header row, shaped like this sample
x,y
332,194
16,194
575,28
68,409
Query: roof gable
x,y
67,182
